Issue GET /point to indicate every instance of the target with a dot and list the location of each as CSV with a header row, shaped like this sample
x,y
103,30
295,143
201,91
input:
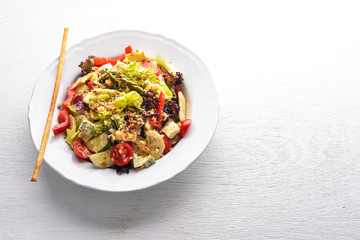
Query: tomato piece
x,y
184,127
64,121
90,84
160,109
121,154
156,68
128,49
70,96
168,145
80,150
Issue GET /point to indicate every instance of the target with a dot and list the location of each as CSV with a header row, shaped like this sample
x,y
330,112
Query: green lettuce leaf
x,y
160,61
101,95
160,87
131,99
72,109
138,74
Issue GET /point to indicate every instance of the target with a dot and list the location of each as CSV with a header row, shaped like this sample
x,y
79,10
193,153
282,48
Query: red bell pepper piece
x,y
64,121
70,96
100,61
128,49
90,84
184,127
122,57
159,110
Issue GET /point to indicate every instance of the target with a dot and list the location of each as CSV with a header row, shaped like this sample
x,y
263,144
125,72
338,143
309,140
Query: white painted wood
x,y
284,161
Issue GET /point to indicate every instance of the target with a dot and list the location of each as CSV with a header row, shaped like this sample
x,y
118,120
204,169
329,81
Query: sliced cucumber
x,y
82,80
101,159
98,143
72,125
182,105
81,89
108,145
156,144
170,68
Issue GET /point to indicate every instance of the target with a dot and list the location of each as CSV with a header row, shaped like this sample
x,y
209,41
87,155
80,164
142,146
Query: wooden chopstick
x,y
52,108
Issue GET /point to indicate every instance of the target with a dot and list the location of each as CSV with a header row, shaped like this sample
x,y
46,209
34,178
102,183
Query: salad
x,y
125,112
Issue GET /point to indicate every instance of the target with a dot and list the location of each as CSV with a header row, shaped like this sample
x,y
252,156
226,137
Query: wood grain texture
x,y
284,161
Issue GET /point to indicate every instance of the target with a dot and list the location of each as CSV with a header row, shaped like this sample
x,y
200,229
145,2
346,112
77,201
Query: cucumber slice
x,y
156,144
98,143
170,68
182,105
72,124
101,159
108,145
81,89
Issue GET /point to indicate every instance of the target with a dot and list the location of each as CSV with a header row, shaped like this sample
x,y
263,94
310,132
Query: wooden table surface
x,y
284,162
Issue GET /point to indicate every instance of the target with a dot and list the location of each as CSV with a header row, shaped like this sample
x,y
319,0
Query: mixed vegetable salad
x,y
125,112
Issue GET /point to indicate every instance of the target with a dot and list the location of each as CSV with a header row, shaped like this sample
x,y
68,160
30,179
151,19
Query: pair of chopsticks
x,y
52,108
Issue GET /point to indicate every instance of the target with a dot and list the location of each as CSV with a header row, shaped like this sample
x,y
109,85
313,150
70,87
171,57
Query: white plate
x,y
203,109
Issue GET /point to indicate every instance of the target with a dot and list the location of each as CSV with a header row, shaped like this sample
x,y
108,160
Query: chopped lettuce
x,y
145,77
72,109
131,99
98,128
160,87
136,73
101,95
160,61
118,119
166,90
110,97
